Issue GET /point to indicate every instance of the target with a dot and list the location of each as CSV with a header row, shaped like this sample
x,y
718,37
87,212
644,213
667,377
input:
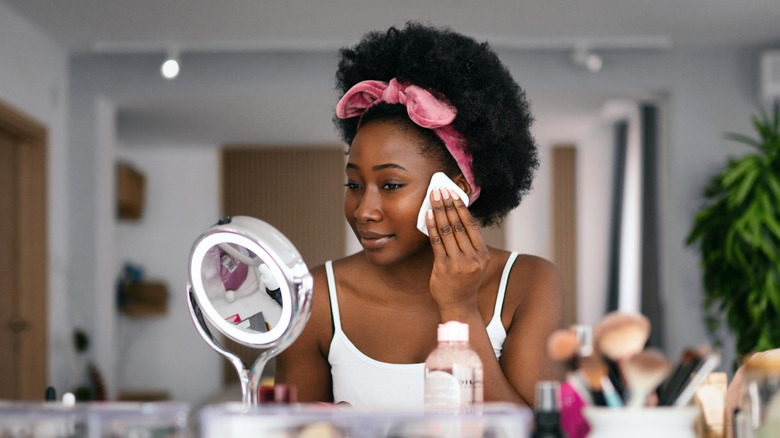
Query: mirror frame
x,y
285,263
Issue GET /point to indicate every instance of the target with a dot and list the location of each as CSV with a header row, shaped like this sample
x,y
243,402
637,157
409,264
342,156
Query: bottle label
x,y
465,375
455,391
442,392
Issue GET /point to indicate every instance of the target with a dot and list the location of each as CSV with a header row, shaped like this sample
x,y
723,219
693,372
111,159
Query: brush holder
x,y
663,421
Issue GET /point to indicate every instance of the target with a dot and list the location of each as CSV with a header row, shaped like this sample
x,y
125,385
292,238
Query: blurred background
x,y
111,171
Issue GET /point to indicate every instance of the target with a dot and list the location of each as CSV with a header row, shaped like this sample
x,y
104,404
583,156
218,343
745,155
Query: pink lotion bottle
x,y
453,372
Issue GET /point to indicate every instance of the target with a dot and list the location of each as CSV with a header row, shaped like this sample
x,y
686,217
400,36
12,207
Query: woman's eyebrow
x,y
379,166
390,166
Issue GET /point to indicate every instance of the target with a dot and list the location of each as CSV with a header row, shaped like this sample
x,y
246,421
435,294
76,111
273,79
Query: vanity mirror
x,y
248,282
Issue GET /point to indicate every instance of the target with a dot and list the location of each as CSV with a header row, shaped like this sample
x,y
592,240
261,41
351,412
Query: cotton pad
x,y
438,180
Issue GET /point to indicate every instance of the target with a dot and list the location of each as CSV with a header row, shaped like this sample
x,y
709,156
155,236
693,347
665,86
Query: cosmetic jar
x,y
759,408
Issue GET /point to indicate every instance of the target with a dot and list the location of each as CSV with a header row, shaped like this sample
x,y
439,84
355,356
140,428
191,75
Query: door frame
x,y
32,261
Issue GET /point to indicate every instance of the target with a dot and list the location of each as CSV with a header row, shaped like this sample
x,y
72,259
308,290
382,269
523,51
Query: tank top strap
x,y
503,284
334,301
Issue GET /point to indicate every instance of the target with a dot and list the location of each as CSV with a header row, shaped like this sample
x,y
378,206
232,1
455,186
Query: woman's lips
x,y
373,240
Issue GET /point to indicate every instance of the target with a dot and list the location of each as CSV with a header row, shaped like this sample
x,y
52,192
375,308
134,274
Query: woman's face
x,y
387,179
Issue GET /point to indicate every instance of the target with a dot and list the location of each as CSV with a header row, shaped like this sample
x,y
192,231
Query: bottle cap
x,y
585,336
547,396
453,331
278,393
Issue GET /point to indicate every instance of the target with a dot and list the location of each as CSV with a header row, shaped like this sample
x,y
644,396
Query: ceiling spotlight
x,y
584,57
170,67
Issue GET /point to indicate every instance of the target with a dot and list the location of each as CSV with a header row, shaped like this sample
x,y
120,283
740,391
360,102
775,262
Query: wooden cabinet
x,y
131,192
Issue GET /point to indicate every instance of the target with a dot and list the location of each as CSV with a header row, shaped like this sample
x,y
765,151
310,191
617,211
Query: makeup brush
x,y
617,336
562,346
643,373
711,361
673,385
593,370
610,393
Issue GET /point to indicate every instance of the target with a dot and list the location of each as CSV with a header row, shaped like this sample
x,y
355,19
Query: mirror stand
x,y
249,378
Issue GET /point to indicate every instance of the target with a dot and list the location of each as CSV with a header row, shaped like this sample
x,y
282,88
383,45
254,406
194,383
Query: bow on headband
x,y
424,109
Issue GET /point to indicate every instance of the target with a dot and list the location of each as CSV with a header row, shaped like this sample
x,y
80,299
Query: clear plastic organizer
x,y
234,420
94,420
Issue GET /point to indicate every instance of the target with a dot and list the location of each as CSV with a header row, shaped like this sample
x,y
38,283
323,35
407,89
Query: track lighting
x,y
584,57
170,67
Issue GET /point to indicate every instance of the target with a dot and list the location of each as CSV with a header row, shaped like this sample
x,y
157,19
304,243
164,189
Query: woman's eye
x,y
352,186
391,186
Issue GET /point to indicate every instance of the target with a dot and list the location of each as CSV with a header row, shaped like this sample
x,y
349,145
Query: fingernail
x,y
444,193
436,195
454,194
429,214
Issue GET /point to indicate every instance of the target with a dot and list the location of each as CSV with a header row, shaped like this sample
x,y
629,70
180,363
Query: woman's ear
x,y
461,182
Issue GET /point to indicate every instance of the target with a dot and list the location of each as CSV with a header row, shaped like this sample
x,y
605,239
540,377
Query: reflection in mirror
x,y
241,287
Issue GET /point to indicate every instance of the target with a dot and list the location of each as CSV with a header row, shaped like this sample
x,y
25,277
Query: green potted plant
x,y
738,236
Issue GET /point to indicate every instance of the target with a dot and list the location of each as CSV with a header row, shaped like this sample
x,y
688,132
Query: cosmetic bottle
x,y
547,413
453,372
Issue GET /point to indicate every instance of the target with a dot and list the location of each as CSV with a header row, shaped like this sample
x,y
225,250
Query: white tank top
x,y
364,382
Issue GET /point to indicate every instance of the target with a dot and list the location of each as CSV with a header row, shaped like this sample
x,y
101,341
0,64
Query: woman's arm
x,y
304,364
534,298
539,312
534,294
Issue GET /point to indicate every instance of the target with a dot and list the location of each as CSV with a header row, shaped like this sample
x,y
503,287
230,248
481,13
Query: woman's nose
x,y
369,208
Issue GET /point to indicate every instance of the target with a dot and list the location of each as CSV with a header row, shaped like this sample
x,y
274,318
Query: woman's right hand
x,y
460,254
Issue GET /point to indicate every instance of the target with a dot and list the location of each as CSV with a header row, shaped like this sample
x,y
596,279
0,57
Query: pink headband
x,y
424,109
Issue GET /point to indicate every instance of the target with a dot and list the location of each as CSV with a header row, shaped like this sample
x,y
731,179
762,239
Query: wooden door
x,y
9,369
297,189
564,225
23,257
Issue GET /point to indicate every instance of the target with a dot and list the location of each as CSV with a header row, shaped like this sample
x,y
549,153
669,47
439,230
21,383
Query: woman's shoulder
x,y
320,322
530,264
341,268
531,277
321,319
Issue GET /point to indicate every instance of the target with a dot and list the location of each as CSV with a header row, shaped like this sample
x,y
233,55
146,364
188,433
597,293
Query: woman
x,y
417,101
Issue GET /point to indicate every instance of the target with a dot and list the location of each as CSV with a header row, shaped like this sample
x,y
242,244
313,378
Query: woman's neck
x,y
410,276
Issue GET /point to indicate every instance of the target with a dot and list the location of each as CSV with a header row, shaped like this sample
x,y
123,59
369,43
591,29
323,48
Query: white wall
x,y
594,195
34,79
705,93
182,186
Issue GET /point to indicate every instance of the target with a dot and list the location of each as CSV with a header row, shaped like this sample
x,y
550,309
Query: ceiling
x,y
144,26
138,25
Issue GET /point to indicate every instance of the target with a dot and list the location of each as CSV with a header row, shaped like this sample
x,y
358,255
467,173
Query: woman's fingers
x,y
471,233
457,228
433,236
470,225
441,201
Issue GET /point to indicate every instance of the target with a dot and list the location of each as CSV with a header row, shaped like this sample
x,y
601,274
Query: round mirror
x,y
249,282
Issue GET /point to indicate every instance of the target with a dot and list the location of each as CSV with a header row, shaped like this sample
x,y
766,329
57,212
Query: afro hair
x,y
493,115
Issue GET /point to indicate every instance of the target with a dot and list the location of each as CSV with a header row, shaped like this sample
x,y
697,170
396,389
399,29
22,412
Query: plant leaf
x,y
737,197
735,171
740,138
